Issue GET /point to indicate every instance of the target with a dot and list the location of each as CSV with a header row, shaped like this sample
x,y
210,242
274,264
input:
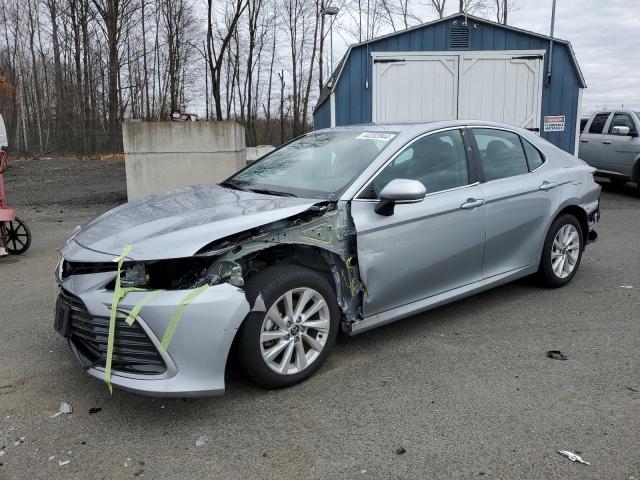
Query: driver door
x,y
424,248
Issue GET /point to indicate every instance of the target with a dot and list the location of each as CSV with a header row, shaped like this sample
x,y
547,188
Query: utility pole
x,y
330,12
553,22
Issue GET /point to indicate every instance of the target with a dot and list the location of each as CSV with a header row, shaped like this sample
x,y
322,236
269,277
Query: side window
x,y
437,160
583,124
534,157
597,125
501,153
621,120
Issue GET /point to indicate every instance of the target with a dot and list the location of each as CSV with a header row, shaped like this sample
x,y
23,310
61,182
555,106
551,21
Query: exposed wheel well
x,y
308,256
311,257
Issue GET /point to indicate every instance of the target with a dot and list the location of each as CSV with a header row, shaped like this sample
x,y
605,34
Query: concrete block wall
x,y
164,155
254,153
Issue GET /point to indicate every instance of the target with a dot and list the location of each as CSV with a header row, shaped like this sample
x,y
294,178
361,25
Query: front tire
x,y
562,251
289,342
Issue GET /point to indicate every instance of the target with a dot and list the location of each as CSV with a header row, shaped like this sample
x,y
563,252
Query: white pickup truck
x,y
609,142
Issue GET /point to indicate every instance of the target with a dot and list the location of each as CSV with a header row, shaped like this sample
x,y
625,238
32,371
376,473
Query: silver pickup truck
x,y
609,142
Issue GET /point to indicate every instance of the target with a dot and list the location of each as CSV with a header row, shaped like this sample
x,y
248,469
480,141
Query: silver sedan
x,y
346,228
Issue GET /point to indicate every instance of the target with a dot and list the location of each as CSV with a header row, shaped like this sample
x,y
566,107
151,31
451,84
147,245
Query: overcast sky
x,y
605,35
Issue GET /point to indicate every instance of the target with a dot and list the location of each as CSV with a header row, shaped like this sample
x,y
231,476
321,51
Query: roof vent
x,y
459,37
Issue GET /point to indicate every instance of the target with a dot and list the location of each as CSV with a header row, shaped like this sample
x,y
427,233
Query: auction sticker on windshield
x,y
385,137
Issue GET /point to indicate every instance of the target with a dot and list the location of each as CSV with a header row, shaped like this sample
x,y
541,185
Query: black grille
x,y
133,350
81,268
459,38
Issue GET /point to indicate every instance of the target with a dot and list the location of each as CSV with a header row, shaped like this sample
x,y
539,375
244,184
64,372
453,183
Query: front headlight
x,y
180,273
134,275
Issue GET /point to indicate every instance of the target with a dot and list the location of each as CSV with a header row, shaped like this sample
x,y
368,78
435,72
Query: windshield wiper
x,y
234,185
271,192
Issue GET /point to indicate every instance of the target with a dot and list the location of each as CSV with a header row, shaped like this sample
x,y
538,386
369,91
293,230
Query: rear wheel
x,y
562,251
289,341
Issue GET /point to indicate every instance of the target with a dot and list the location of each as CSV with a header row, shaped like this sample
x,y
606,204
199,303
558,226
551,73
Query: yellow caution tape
x,y
118,294
177,315
133,314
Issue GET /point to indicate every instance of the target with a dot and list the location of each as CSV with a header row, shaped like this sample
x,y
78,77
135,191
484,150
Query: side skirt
x,y
413,308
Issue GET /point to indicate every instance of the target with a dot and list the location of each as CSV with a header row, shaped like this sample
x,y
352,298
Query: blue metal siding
x,y
322,116
353,90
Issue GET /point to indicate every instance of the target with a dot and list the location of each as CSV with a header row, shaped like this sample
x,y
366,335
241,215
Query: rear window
x,y
598,123
501,153
534,157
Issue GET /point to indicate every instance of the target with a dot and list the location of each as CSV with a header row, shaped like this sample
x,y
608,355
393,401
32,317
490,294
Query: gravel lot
x,y
466,389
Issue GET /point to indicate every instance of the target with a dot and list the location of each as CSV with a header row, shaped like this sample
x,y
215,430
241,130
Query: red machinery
x,y
16,237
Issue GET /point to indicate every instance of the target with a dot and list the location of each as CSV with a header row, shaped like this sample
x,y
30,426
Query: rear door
x,y
500,87
591,140
618,152
517,189
415,88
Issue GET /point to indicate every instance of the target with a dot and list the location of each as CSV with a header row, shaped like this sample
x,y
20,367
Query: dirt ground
x,y
466,390
42,185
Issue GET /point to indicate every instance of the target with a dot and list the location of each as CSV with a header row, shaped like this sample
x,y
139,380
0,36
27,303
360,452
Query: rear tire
x,y
562,251
288,342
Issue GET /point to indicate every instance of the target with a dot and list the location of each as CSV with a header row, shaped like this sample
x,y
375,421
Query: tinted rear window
x,y
534,157
501,153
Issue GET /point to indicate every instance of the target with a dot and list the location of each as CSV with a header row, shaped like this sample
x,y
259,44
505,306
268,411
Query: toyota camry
x,y
341,229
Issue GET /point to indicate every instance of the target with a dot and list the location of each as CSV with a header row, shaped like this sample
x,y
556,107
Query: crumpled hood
x,y
179,222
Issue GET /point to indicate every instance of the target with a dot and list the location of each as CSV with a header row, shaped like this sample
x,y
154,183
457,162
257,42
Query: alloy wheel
x,y
565,251
294,331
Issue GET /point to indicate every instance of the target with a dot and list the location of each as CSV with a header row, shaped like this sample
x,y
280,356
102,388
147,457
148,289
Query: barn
x,y
458,67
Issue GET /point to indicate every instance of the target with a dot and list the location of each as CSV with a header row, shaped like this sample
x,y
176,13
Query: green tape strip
x,y
118,294
177,315
133,314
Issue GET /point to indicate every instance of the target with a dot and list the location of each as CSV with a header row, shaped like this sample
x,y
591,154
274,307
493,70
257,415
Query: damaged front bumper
x,y
194,363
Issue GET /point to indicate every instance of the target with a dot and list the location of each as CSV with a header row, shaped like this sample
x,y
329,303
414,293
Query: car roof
x,y
419,127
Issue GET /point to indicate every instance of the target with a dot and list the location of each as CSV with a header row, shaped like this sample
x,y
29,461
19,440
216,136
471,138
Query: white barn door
x,y
415,88
505,88
498,86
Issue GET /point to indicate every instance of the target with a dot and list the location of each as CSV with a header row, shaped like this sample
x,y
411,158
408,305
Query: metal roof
x,y
335,76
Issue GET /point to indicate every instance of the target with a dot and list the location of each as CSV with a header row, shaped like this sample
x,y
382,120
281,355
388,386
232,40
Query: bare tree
x,y
216,56
114,14
502,9
474,7
438,6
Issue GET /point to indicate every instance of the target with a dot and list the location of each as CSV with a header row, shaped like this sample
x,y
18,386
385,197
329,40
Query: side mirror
x,y
621,131
400,190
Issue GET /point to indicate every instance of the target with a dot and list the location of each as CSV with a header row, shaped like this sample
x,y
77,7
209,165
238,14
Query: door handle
x,y
546,186
606,142
472,203
584,140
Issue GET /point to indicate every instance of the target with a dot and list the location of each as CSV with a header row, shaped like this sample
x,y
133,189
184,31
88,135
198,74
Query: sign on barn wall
x,y
554,123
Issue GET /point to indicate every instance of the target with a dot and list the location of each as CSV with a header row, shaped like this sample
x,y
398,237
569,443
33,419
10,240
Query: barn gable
x,y
352,82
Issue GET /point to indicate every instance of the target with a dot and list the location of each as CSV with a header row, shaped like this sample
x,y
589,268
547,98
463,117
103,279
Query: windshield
x,y
318,165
